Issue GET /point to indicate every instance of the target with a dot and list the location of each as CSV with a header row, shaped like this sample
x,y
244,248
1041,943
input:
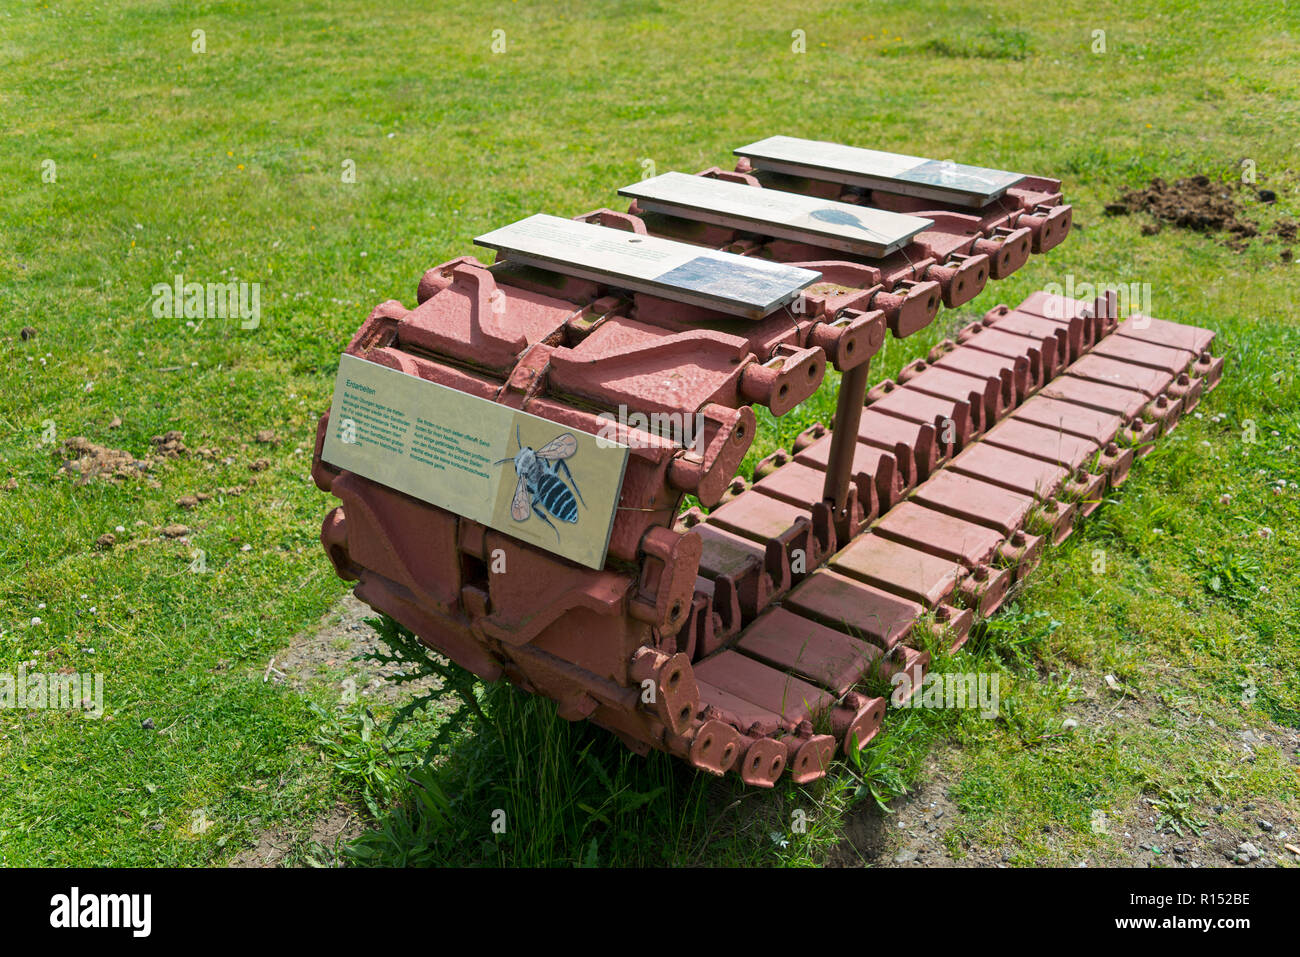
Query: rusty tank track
x,y
778,655
757,637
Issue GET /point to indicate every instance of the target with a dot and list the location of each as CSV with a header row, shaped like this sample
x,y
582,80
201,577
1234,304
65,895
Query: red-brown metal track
x,y
763,634
809,654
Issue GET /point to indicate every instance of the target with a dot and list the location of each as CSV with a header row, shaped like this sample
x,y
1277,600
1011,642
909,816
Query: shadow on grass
x,y
475,775
509,783
522,787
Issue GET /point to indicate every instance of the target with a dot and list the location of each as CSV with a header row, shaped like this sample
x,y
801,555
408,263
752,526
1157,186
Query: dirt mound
x,y
84,460
87,461
1194,202
170,444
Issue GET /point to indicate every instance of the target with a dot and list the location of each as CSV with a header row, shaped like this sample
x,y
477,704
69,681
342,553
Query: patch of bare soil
x,y
324,656
1194,202
1221,842
322,841
85,461
912,834
169,445
1251,834
1197,203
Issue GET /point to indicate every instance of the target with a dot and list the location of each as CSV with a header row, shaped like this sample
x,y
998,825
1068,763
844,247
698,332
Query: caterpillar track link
x,y
767,628
946,550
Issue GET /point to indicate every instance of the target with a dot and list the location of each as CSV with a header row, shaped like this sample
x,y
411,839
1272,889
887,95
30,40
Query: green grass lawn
x,y
229,165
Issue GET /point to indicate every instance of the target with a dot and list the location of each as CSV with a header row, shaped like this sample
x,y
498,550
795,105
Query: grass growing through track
x,y
228,164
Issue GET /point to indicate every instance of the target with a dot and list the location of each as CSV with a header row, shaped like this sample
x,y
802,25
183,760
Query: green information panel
x,y
545,484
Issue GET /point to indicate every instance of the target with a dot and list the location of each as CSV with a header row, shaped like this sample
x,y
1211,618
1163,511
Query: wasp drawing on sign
x,y
540,490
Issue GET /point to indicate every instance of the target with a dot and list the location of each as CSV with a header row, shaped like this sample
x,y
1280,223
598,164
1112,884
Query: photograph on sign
x,y
541,482
733,284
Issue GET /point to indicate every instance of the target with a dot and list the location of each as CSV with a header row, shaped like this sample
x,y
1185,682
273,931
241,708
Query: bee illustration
x,y
540,489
